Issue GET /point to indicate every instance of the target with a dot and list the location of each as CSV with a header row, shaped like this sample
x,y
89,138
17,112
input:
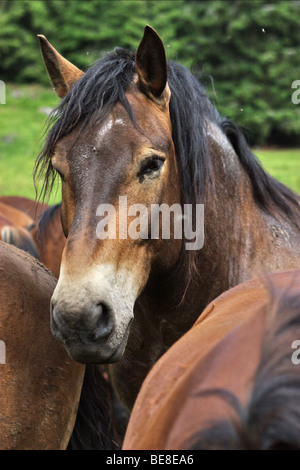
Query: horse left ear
x,y
63,74
151,67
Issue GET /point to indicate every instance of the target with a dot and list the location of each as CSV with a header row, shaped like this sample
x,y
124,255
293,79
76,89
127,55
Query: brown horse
x,y
230,382
42,235
14,226
136,132
15,216
39,384
32,208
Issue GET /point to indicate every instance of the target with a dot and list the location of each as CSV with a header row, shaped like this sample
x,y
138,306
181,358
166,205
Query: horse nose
x,y
95,322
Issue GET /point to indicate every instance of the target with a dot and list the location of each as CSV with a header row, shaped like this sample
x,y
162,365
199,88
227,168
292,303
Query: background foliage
x,y
250,48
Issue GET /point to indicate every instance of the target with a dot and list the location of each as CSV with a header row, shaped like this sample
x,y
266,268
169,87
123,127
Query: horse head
x,y
115,164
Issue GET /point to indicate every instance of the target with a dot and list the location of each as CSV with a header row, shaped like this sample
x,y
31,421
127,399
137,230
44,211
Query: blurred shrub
x,y
251,49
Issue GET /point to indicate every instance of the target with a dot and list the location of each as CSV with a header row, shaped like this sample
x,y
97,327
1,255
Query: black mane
x,y
106,83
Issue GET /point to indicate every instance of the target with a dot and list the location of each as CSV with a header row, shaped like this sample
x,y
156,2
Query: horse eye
x,y
151,165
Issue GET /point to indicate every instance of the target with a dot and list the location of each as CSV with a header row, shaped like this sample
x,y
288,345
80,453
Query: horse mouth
x,y
81,348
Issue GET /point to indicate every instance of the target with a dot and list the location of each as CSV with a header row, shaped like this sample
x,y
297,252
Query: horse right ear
x,y
62,73
151,67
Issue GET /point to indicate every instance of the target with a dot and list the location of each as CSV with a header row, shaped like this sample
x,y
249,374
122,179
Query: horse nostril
x,y
94,322
105,321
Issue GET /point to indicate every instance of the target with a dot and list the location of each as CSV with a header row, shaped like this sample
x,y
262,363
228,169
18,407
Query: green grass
x,y
22,121
22,125
284,165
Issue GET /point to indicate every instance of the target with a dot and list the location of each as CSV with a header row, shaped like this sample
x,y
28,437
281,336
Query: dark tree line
x,y
251,49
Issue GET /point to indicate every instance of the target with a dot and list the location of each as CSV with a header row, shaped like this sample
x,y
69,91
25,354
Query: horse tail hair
x,y
20,238
271,419
97,425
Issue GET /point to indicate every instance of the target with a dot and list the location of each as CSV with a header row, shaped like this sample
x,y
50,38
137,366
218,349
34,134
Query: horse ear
x,y
62,73
151,67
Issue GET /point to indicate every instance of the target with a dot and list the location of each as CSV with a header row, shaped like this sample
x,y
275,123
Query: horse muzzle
x,y
91,335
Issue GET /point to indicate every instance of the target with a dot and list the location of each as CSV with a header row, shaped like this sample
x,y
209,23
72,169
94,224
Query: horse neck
x,y
241,242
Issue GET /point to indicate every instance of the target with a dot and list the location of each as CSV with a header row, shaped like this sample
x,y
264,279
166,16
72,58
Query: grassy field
x,y
22,125
283,165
